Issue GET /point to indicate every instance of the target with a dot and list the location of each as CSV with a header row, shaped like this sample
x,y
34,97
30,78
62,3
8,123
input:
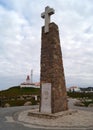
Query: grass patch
x,y
16,91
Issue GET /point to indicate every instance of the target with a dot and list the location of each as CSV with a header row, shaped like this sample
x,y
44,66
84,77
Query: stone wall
x,y
52,70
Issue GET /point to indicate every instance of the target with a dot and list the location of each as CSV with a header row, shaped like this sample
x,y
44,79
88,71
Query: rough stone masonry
x,y
52,70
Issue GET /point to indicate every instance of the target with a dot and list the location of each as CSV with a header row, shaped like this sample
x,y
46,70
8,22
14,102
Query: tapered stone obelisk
x,y
52,79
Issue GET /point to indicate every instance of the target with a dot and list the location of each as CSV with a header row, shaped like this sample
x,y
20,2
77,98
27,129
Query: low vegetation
x,y
16,96
85,98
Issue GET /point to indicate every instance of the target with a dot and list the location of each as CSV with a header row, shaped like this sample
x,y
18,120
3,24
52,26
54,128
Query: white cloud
x,y
18,45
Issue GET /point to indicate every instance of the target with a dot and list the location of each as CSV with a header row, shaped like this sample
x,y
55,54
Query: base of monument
x,y
36,113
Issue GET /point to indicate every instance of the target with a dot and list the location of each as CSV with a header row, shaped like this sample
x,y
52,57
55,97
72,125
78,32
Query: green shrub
x,y
86,103
80,95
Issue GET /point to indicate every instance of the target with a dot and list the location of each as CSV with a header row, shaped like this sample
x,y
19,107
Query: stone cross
x,y
48,12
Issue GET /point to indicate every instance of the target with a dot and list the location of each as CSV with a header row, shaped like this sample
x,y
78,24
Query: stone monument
x,y
52,79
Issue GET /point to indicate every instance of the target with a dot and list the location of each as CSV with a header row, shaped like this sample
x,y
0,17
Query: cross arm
x,y
51,11
43,15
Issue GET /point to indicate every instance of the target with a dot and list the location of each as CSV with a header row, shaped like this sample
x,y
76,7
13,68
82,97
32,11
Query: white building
x,y
28,83
74,89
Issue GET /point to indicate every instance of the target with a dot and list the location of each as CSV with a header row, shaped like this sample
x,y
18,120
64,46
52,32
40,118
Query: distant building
x,y
77,89
74,89
28,83
87,89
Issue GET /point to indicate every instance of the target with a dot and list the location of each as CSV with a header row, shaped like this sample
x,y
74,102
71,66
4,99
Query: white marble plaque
x,y
46,98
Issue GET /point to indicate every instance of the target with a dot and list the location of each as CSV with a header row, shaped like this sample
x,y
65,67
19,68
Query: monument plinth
x,y
52,72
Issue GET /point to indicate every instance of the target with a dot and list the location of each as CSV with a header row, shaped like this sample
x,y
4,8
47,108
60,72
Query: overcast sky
x,y
20,39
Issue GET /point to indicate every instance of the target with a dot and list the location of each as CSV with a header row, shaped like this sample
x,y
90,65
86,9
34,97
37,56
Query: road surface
x,y
8,123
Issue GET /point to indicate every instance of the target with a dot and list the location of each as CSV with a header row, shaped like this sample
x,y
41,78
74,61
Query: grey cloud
x,y
21,41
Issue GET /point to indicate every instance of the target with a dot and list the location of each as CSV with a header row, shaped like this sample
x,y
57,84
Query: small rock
x,y
27,103
90,105
78,103
7,105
